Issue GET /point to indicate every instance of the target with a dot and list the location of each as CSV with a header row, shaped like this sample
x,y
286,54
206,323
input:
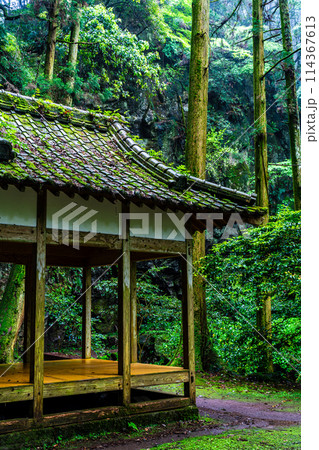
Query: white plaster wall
x,y
155,223
19,208
64,212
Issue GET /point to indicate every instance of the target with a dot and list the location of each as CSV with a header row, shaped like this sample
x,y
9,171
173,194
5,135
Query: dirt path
x,y
230,413
253,414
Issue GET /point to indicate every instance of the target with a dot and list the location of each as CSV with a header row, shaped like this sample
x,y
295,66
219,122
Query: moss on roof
x,y
74,151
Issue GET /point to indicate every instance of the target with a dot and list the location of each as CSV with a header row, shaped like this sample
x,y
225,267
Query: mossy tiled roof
x,y
74,151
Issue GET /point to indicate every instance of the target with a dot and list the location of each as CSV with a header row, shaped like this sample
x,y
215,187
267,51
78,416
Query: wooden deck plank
x,y
68,370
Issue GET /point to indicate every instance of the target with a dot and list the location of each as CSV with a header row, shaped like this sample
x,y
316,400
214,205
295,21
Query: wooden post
x,y
28,298
188,321
38,301
86,313
124,307
133,313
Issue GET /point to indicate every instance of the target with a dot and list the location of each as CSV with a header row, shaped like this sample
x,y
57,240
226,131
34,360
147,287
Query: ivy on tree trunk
x,y
73,54
196,157
260,119
11,313
51,40
292,103
263,300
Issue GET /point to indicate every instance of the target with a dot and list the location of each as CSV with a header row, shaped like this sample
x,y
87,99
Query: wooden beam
x,y
108,241
16,393
148,245
156,379
158,405
124,308
82,387
36,366
17,233
188,320
133,313
24,234
86,415
86,313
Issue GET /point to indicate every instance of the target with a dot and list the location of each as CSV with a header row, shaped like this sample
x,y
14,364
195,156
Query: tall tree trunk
x,y
51,40
11,312
198,90
292,103
263,311
196,153
73,54
261,159
264,327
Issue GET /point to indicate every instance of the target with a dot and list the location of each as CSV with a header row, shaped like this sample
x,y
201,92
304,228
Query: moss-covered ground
x,y
285,397
288,438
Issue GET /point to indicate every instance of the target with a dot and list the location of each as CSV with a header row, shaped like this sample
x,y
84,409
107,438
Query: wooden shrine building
x,y
68,179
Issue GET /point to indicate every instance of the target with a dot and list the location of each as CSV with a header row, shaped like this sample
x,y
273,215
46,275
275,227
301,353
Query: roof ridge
x,y
176,179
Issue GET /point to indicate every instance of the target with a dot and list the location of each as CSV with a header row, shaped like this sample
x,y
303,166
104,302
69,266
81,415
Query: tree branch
x,y
140,32
7,17
228,18
273,29
278,62
264,4
270,37
5,14
243,40
78,43
249,37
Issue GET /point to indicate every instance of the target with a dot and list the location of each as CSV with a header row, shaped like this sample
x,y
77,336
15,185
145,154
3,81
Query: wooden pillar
x,y
188,321
37,278
133,313
86,313
28,296
124,316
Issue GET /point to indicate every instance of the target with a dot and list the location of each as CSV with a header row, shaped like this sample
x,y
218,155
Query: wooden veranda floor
x,y
70,370
75,377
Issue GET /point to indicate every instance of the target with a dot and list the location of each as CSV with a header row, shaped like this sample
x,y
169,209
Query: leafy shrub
x,y
264,262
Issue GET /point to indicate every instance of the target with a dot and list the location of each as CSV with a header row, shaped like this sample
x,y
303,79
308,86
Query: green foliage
x,y
254,439
63,308
159,324
280,183
133,426
116,60
177,16
264,261
14,68
160,156
225,164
